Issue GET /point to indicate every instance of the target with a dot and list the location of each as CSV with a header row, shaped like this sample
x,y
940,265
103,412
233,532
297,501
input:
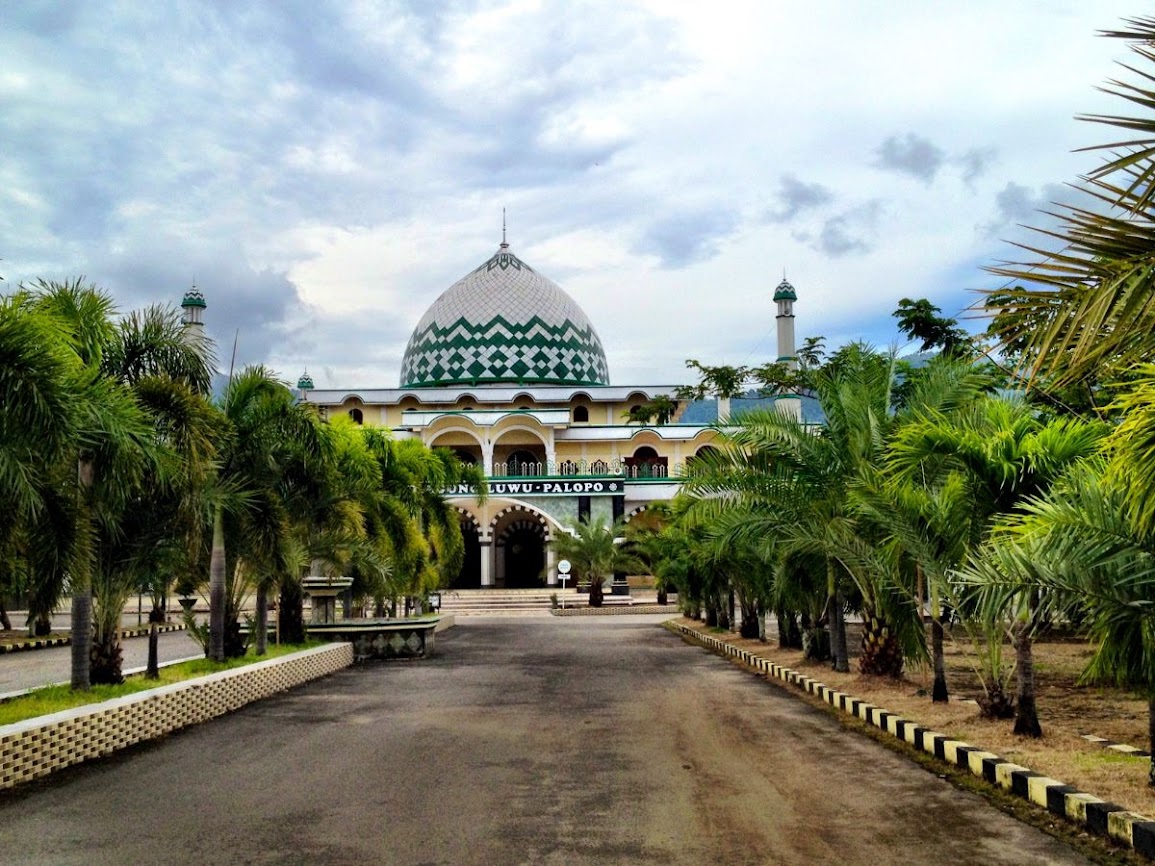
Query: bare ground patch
x,y
1066,711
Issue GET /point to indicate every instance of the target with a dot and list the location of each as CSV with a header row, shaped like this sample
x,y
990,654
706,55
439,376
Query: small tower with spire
x,y
305,385
784,297
193,305
789,404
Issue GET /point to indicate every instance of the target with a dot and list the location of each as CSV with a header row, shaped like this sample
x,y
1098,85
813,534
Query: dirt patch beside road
x,y
1066,711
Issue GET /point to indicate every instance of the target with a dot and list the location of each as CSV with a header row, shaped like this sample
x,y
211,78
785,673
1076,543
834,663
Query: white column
x,y
550,565
487,564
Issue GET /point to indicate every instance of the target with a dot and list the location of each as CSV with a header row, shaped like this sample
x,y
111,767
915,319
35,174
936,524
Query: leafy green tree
x,y
920,320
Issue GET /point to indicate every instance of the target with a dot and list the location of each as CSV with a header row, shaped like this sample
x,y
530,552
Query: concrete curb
x,y
47,643
37,747
1085,810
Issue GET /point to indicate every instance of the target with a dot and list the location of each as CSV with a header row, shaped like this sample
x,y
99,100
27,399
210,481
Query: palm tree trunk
x,y
596,592
938,693
81,571
217,599
881,653
1151,739
5,622
262,618
1026,714
152,672
835,604
290,612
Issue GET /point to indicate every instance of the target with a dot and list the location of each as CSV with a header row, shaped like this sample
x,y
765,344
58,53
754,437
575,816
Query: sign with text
x,y
543,488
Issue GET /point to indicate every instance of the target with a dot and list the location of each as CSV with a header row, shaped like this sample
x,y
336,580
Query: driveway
x,y
599,740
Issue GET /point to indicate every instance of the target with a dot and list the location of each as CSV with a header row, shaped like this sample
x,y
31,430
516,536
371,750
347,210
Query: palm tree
x,y
169,377
933,526
39,382
595,551
266,434
779,466
113,447
1081,551
1087,309
1008,453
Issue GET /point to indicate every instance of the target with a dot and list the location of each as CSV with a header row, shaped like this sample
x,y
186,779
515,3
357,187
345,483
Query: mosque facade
x,y
506,370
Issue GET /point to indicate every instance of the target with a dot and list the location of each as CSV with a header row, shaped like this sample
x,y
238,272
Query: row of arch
x,y
514,543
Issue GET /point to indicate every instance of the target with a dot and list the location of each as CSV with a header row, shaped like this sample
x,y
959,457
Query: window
x,y
357,415
581,415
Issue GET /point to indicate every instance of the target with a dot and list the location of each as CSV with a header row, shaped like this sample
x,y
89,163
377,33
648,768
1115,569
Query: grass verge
x,y
53,699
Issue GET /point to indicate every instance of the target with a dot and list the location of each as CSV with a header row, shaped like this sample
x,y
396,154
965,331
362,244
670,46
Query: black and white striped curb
x,y
46,643
1097,815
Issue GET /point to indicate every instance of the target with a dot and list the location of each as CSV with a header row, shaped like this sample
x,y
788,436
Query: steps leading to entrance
x,y
525,602
505,602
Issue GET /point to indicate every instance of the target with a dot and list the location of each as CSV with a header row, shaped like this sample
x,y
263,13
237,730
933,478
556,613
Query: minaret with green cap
x,y
305,385
193,319
784,297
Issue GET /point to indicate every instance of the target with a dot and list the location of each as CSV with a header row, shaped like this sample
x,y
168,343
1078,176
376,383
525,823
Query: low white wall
x,y
39,746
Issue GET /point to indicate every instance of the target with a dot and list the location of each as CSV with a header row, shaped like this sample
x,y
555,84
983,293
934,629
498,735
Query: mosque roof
x,y
504,323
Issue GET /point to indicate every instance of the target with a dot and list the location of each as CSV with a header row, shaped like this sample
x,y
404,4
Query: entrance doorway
x,y
521,555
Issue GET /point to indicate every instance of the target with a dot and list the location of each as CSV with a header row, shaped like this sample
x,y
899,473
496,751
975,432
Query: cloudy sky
x,y
324,170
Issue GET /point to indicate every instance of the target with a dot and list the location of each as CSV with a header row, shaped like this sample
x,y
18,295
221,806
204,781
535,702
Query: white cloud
x,y
325,169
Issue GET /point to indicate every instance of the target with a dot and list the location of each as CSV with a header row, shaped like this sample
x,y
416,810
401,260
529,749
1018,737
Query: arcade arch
x,y
521,537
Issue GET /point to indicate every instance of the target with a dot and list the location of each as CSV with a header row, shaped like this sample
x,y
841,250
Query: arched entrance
x,y
520,549
470,575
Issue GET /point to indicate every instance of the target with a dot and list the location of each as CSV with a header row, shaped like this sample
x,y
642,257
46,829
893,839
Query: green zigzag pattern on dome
x,y
498,351
505,261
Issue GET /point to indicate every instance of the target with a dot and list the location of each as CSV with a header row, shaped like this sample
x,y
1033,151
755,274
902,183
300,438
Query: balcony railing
x,y
599,468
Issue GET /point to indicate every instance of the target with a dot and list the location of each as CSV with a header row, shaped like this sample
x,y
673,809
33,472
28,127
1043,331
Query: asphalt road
x,y
42,667
559,741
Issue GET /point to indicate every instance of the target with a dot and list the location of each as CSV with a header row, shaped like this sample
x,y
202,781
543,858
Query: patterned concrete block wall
x,y
1106,819
37,747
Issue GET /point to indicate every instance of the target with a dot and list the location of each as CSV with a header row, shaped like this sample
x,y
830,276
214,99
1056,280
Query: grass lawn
x,y
53,699
1066,711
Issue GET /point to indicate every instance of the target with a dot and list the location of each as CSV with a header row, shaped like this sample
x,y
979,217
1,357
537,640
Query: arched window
x,y
646,464
465,457
696,461
581,415
568,467
357,415
599,467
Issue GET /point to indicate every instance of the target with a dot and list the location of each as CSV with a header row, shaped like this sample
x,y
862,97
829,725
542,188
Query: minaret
x,y
784,297
193,319
305,385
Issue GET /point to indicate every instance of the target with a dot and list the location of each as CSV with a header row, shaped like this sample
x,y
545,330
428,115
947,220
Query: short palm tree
x,y
595,551
1084,556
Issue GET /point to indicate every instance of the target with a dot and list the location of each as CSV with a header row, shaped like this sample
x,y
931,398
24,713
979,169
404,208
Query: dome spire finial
x,y
504,245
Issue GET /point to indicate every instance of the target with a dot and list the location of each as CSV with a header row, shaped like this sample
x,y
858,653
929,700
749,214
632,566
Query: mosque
x,y
507,371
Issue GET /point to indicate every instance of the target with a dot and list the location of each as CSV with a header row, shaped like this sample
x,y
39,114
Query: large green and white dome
x,y
504,323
